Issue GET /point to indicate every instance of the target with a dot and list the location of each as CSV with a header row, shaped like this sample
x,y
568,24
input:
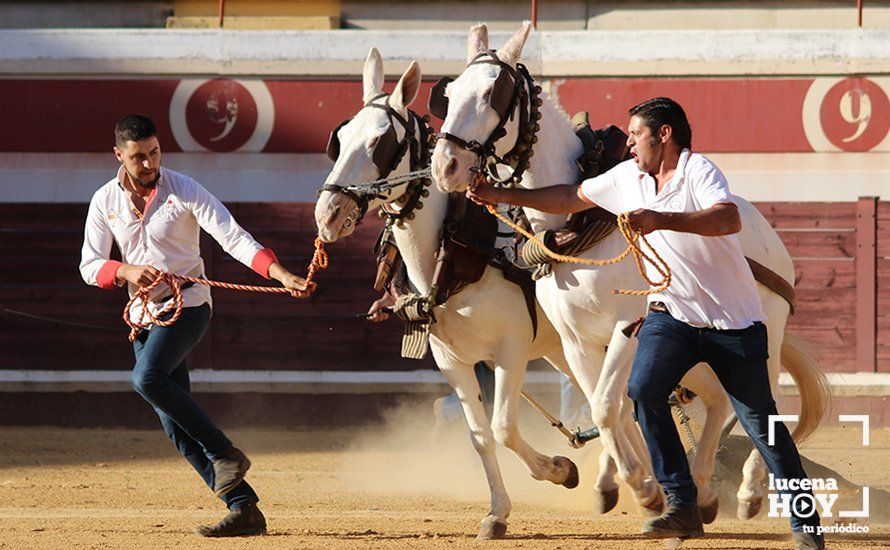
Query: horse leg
x,y
717,409
509,374
463,379
606,495
605,390
573,406
609,397
607,488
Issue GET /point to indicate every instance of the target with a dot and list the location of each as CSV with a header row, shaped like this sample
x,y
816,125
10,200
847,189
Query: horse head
x,y
378,142
479,109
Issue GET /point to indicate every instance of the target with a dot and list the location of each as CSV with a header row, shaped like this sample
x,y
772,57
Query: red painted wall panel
x,y
727,115
750,115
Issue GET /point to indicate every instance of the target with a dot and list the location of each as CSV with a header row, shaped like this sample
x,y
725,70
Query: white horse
x,y
590,318
488,320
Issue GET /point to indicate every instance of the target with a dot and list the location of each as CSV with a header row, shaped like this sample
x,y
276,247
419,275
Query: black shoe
x,y
244,521
675,522
808,541
229,471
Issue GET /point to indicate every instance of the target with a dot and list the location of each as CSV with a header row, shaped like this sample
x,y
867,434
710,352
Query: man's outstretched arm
x,y
557,199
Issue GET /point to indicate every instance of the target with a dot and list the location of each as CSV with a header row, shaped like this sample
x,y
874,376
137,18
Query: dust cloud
x,y
443,463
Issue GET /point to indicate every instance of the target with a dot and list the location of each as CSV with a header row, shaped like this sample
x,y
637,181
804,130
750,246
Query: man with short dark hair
x,y
710,313
155,215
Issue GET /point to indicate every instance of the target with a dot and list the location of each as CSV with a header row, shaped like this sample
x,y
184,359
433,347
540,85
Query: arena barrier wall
x,y
810,147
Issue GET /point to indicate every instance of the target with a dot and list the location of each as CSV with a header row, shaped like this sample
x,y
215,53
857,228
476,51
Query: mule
x,y
487,320
579,300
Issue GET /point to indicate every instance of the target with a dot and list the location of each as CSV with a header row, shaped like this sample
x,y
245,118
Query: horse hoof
x,y
708,512
747,509
604,501
492,529
571,480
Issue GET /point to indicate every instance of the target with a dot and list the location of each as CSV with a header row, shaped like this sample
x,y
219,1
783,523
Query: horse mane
x,y
551,94
551,89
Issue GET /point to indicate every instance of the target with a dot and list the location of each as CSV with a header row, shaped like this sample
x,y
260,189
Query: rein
x,y
146,318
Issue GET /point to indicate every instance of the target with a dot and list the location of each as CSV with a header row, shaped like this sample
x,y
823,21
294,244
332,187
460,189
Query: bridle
x,y
514,91
388,154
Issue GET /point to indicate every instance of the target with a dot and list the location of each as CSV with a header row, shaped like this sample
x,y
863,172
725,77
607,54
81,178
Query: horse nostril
x,y
451,167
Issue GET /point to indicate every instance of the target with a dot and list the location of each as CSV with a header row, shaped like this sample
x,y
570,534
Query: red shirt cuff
x,y
262,260
107,276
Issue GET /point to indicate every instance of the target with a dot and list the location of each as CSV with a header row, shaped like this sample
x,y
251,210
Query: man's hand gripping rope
x,y
319,262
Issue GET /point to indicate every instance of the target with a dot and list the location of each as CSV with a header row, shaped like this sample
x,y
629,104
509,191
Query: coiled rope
x,y
319,262
635,241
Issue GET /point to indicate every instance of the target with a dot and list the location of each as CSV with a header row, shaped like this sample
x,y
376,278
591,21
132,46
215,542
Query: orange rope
x,y
633,238
319,262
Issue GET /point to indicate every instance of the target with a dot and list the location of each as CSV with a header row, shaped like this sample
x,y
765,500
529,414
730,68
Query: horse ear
x,y
512,50
407,88
477,41
372,76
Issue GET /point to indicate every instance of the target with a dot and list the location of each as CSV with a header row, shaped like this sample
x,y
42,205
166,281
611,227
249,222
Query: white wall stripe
x,y
293,177
342,52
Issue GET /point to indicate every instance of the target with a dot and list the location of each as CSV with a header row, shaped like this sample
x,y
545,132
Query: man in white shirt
x,y
155,217
711,312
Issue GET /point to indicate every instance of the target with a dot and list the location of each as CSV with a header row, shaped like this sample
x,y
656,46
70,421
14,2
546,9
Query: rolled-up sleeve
x,y
95,266
215,219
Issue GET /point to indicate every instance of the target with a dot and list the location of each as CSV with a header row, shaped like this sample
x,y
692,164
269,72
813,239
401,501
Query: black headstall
x,y
387,155
514,94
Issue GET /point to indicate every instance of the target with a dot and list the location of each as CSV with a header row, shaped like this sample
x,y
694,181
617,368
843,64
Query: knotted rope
x,y
634,239
319,262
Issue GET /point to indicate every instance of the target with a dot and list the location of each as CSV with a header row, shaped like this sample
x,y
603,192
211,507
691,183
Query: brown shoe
x,y
680,523
245,521
229,471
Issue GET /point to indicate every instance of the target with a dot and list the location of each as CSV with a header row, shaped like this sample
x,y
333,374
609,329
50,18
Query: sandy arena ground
x,y
386,487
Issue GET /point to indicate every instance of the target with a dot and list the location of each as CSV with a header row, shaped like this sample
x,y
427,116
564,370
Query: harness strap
x,y
521,278
773,281
473,146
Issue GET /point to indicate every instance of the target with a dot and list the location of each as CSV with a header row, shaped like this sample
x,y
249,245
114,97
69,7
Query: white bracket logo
x,y
861,418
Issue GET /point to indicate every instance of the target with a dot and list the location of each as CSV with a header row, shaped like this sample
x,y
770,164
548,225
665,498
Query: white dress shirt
x,y
164,236
712,284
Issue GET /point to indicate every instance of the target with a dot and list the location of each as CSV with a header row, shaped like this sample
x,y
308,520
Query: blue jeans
x,y
161,377
668,348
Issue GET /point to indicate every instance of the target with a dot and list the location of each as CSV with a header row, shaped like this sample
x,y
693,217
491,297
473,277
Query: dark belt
x,y
183,286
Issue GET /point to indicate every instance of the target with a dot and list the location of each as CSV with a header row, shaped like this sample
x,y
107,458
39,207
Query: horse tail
x,y
800,360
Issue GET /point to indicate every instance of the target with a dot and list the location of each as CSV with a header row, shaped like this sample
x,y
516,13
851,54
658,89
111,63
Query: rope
x,y
684,421
679,397
634,240
587,238
215,327
146,318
